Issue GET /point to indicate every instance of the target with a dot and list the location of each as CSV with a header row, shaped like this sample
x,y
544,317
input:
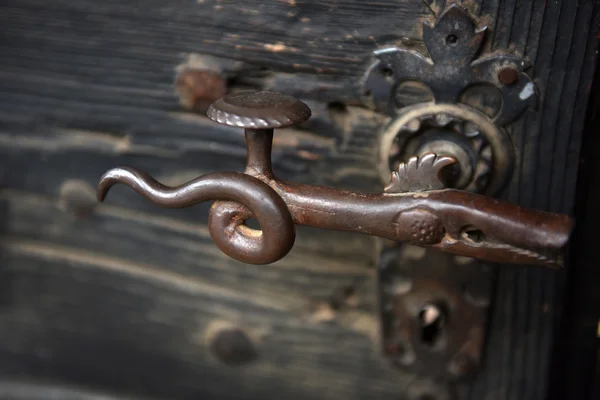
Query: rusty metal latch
x,y
414,206
453,96
442,154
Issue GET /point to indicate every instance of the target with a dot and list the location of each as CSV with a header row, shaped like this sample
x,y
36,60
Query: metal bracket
x,y
453,44
452,101
433,309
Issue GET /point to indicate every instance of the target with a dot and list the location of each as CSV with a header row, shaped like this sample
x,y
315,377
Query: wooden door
x,y
130,300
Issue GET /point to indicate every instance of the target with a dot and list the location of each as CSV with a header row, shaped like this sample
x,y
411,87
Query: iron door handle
x,y
414,207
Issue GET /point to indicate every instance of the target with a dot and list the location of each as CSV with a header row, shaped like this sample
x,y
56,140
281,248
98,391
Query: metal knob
x,y
415,207
258,110
259,113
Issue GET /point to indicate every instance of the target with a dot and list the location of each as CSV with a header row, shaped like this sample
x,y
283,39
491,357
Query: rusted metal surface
x,y
484,153
454,221
226,221
508,75
470,97
259,110
454,43
433,311
198,88
452,102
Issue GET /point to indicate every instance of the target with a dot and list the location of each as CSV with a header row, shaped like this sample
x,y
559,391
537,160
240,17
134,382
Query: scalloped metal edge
x,y
226,118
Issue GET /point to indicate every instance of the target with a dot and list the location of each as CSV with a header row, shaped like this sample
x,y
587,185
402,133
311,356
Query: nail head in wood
x,y
508,75
233,347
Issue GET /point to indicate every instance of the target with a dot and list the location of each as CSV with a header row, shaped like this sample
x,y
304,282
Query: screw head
x,y
258,110
508,75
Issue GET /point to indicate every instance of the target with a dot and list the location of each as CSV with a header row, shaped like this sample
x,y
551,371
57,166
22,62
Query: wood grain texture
x,y
577,339
62,331
129,287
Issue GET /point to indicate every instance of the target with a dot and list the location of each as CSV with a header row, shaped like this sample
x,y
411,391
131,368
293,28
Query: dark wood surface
x,y
123,296
576,372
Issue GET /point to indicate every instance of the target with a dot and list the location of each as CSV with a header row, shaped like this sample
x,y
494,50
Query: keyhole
x,y
432,320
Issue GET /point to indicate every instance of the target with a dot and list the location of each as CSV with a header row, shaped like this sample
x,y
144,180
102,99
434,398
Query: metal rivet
x,y
508,75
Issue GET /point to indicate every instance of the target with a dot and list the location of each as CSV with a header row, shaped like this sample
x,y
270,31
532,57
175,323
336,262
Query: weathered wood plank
x,y
87,85
577,341
134,124
556,37
61,306
180,247
338,35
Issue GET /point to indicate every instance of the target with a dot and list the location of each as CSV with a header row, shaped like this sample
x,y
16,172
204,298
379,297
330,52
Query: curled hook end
x,y
239,196
109,179
104,186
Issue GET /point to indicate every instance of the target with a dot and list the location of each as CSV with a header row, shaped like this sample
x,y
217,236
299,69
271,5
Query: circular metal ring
x,y
408,123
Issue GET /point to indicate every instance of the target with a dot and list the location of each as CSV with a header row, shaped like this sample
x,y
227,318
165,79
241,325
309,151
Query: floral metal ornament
x,y
454,43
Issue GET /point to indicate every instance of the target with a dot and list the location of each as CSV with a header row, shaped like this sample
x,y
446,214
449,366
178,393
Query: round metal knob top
x,y
258,110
